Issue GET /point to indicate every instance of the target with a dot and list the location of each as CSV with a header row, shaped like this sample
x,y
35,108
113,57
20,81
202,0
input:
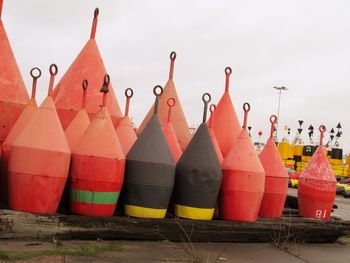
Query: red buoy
x,y
21,122
243,182
225,124
13,93
178,117
169,133
80,123
212,109
317,185
88,65
125,129
276,178
39,160
98,163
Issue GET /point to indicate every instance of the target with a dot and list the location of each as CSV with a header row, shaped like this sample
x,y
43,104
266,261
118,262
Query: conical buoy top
x,y
11,83
87,65
244,150
13,93
152,137
39,160
125,129
178,117
80,123
21,122
276,178
270,157
226,126
198,175
212,109
243,178
317,185
47,118
101,130
27,113
148,195
170,133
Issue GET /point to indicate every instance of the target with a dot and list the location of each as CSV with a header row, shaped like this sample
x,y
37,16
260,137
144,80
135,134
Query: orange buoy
x,y
243,179
226,125
80,123
125,130
13,93
212,109
178,119
88,65
98,163
21,122
169,133
276,178
317,185
39,160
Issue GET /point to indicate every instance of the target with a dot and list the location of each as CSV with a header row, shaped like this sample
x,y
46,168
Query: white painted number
x,y
321,214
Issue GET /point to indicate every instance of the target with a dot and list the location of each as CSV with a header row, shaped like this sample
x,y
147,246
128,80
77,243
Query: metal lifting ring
x,y
32,73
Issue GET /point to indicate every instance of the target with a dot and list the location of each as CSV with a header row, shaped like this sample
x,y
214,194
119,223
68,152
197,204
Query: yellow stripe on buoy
x,y
194,212
144,212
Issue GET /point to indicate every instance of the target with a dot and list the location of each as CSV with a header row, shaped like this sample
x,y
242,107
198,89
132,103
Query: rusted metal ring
x,y
32,73
96,12
212,108
129,93
273,119
106,80
173,55
53,69
228,71
246,107
160,88
85,84
322,128
171,102
206,95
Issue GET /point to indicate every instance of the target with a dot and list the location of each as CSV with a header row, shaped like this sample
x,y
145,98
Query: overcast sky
x,y
303,45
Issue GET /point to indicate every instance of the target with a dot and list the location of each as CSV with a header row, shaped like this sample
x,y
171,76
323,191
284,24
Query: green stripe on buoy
x,y
91,197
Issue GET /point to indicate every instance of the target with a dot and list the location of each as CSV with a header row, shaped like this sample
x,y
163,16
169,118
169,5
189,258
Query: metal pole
x,y
278,113
278,109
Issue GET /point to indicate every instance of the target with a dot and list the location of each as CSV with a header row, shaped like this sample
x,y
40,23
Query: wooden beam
x,y
18,225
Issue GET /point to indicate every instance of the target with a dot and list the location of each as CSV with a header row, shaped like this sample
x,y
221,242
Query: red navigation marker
x,y
243,182
20,124
276,178
317,185
39,160
98,163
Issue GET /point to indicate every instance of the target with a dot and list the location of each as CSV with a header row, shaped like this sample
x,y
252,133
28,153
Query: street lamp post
x,y
278,110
